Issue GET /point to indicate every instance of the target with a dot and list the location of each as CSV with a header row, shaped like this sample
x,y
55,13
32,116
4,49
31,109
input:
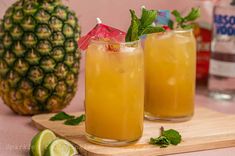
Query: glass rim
x,y
115,42
118,47
182,30
173,31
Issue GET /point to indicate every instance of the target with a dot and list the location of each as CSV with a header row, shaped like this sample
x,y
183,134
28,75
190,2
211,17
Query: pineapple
x,y
39,56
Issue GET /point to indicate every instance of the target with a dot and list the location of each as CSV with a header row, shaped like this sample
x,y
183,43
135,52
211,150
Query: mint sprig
x,y
75,121
151,29
69,119
147,18
184,22
132,33
166,138
143,25
61,116
161,141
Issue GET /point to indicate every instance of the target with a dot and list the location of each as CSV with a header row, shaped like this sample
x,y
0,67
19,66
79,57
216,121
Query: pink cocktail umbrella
x,y
101,32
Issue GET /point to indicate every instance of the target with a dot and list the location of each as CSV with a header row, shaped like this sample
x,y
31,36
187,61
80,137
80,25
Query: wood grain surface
x,y
208,129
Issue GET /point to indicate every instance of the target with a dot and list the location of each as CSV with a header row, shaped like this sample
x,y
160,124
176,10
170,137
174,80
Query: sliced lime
x,y
40,142
61,147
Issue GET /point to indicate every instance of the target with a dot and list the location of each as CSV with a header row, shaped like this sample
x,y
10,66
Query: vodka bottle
x,y
221,82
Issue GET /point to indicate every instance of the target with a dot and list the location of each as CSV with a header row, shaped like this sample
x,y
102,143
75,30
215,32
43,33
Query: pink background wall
x,y
115,12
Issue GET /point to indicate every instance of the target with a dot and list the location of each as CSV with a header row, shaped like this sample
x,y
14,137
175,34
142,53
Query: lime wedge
x,y
40,142
61,147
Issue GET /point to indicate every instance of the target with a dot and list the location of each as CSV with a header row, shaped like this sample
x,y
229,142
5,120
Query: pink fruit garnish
x,y
166,27
113,47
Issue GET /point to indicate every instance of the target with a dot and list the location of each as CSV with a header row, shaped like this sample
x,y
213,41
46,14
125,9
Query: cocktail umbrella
x,y
101,32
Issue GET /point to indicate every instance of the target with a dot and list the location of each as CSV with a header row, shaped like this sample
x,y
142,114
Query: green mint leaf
x,y
173,136
75,121
132,33
186,22
61,116
166,138
151,29
186,27
161,141
178,17
128,34
171,24
193,15
147,18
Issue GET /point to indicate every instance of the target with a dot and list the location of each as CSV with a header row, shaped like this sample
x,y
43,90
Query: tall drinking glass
x,y
170,62
114,92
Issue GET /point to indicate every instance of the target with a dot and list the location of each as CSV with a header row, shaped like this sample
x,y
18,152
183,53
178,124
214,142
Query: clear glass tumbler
x,y
114,94
170,66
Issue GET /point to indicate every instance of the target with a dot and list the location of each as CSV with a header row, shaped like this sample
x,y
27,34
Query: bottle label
x,y
224,24
222,68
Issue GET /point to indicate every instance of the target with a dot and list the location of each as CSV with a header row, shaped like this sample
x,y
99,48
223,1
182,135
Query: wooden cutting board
x,y
208,129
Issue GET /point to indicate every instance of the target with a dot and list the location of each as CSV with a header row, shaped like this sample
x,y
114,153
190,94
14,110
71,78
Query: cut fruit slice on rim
x,y
61,147
40,142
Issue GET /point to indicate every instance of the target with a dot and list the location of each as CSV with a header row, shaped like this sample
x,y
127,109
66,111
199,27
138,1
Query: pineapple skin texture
x,y
39,56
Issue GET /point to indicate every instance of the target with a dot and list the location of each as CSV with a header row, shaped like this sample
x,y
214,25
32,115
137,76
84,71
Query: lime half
x,y
40,142
61,147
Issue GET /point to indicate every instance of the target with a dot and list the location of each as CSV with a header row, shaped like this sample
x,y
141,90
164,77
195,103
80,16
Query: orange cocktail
x,y
114,92
170,75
